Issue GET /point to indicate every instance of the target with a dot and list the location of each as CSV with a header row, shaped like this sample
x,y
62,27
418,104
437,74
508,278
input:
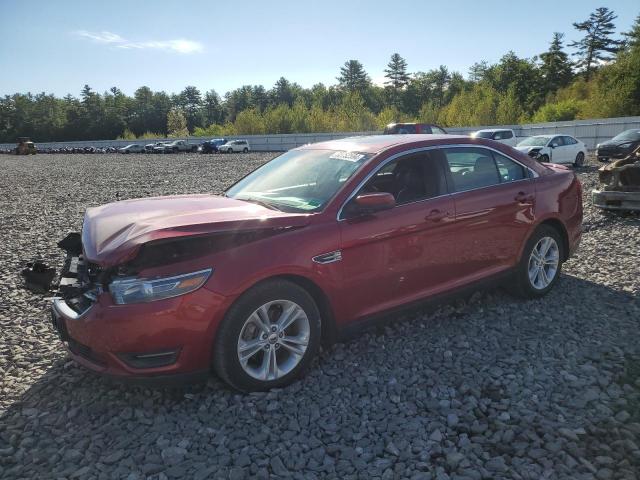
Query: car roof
x,y
377,143
494,130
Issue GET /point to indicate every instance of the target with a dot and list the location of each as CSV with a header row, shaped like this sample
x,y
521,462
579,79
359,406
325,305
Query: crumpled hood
x,y
113,233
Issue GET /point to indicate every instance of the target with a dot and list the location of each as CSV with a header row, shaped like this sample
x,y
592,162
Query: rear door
x,y
494,200
402,254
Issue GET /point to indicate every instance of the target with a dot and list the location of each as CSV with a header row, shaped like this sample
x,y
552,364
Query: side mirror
x,y
368,203
551,145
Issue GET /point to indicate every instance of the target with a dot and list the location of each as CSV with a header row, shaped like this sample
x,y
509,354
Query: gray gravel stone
x,y
483,387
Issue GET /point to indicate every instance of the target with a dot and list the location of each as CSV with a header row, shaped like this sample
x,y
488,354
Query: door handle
x,y
436,215
522,197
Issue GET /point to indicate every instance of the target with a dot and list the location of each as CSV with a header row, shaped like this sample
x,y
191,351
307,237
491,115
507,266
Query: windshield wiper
x,y
259,202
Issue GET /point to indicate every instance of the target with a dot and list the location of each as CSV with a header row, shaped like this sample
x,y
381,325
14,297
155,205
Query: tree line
x,y
601,78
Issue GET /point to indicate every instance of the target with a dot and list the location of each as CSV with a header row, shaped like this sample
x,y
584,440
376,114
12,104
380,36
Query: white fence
x,y
591,132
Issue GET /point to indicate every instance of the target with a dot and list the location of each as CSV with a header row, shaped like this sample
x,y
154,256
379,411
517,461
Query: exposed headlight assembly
x,y
142,290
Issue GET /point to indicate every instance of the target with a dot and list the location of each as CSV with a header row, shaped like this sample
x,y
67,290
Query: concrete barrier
x,y
591,132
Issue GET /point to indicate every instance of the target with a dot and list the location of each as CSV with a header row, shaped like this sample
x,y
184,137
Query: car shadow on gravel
x,y
405,380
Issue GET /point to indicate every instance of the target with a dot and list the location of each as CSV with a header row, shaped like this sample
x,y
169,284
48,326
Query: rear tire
x,y
579,162
251,328
230,150
537,272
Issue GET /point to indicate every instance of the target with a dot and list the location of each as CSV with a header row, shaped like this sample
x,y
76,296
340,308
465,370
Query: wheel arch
x,y
329,329
558,226
328,325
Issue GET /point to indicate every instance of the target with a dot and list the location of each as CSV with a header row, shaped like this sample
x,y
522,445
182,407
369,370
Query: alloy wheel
x,y
543,263
273,340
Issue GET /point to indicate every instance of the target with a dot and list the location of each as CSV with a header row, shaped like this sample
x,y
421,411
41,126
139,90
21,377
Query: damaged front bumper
x,y
616,200
161,342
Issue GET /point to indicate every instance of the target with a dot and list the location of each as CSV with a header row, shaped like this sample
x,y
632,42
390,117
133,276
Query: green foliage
x,y
397,78
176,124
127,135
249,122
563,110
555,68
597,45
513,90
353,77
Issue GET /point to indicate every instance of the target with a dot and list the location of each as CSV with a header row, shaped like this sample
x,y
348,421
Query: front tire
x,y
230,150
579,162
246,150
268,337
540,265
543,158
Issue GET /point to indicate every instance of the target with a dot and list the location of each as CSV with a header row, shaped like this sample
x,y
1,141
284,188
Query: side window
x,y
569,141
471,168
498,135
556,142
435,129
425,129
410,179
507,134
509,170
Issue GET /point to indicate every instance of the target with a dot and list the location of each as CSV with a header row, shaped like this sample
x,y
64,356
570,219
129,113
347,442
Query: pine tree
x,y
353,77
398,78
478,70
597,42
633,36
556,67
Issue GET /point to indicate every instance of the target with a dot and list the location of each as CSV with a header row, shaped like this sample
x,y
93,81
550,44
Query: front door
x,y
402,254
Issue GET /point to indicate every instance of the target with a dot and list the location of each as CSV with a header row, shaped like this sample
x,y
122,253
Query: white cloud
x,y
179,45
101,37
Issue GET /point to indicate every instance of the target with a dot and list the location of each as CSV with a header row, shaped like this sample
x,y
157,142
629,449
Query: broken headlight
x,y
141,290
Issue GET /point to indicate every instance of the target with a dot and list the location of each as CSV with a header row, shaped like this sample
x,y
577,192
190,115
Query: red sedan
x,y
322,237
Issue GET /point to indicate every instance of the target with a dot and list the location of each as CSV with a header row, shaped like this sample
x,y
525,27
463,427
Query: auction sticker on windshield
x,y
348,156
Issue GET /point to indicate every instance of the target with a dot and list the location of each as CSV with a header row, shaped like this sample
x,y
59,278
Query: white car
x,y
502,135
554,149
234,146
133,148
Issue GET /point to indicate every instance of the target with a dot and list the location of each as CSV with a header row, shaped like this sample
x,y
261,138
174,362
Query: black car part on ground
x,y
38,276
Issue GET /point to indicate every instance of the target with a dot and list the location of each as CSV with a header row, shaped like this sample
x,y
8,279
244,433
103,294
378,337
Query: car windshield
x,y
483,134
534,142
299,180
630,135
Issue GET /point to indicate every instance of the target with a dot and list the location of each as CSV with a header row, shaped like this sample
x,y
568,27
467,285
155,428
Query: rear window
x,y
503,135
483,135
630,135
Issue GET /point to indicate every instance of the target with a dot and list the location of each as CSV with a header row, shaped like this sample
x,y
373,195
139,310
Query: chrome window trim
x,y
531,174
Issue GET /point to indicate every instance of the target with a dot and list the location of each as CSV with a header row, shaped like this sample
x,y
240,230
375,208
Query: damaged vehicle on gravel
x,y
562,149
619,146
620,181
308,247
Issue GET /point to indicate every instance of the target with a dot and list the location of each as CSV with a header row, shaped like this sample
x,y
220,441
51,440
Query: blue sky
x,y
58,46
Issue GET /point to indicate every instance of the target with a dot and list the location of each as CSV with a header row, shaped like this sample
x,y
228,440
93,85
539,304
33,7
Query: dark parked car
x,y
211,146
402,128
303,249
619,146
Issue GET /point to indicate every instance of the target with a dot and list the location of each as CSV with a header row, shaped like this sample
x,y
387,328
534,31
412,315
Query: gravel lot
x,y
488,387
